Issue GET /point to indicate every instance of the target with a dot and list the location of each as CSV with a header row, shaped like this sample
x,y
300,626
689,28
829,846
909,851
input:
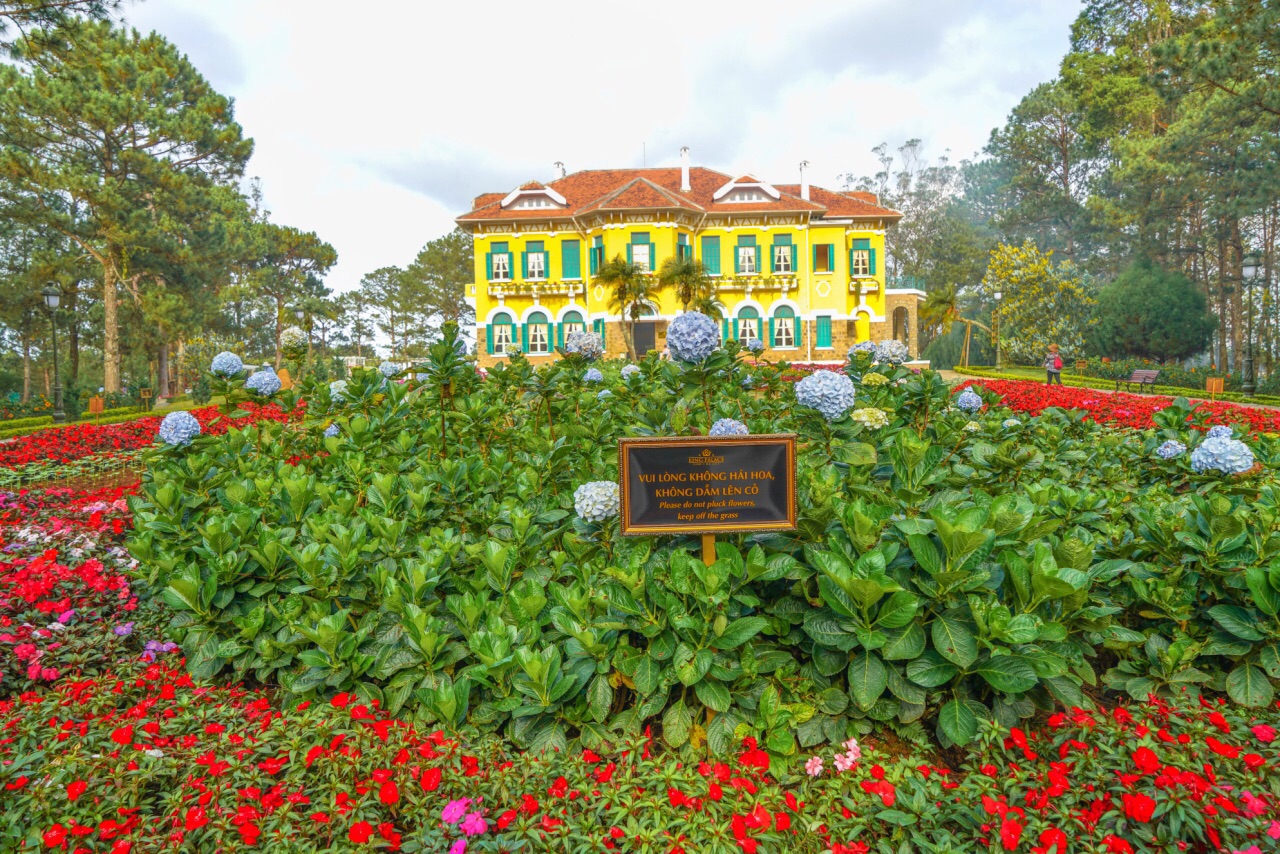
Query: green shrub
x,y
429,557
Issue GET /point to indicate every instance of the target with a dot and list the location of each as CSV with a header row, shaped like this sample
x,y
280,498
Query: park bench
x,y
1140,378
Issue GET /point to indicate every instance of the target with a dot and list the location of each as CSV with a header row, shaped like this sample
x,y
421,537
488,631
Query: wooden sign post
x,y
95,407
1213,385
707,485
144,394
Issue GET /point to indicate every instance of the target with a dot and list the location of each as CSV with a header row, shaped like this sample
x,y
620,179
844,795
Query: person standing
x,y
1053,365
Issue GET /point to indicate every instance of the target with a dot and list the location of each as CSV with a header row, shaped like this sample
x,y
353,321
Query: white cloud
x,y
376,129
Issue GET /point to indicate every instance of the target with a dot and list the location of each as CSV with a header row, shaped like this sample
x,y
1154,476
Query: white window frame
x,y
781,324
781,251
505,275
540,258
750,254
502,338
539,329
647,264
861,263
748,328
571,326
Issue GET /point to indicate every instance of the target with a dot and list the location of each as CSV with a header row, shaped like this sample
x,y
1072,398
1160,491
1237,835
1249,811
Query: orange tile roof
x,y
659,188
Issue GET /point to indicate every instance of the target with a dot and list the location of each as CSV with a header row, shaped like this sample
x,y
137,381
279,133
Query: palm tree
x,y
693,286
630,287
941,309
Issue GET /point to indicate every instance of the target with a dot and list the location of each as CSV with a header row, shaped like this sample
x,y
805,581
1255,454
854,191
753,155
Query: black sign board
x,y
702,484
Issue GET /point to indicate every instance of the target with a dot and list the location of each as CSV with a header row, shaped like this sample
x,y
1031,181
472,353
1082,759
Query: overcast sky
x,y
376,129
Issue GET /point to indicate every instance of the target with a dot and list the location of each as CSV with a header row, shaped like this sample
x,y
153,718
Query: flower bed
x,y
1118,409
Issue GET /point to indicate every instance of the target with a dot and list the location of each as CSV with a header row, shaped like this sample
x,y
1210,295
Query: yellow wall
x,y
813,293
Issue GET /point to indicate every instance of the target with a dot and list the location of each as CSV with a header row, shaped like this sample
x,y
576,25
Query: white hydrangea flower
x,y
870,417
586,344
874,380
292,336
597,501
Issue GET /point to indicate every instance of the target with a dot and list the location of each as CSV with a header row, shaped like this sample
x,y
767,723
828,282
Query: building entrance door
x,y
646,338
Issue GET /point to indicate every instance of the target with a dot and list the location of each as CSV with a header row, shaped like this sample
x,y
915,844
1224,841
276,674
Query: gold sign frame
x,y
625,445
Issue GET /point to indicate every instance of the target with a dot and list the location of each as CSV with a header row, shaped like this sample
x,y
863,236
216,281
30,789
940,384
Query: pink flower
x,y
844,762
1253,803
25,651
48,674
454,811
1274,830
474,824
1264,733
458,847
852,749
65,616
1252,849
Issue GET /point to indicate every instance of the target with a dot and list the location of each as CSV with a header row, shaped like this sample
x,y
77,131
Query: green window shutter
x,y
488,338
546,265
771,251
570,260
824,332
771,332
629,261
813,259
850,262
524,265
871,263
724,330
524,338
831,256
711,255
488,266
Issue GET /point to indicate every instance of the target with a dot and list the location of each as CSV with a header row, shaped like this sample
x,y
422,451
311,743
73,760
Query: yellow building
x,y
797,266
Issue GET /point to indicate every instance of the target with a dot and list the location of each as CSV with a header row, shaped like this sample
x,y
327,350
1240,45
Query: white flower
x,y
972,427
586,344
870,417
1010,422
338,388
292,336
155,753
597,501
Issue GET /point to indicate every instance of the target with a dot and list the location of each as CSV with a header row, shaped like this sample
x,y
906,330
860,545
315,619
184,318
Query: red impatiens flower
x,y
389,794
1116,845
1138,807
506,818
1010,831
123,735
195,819
75,789
430,779
1146,760
360,832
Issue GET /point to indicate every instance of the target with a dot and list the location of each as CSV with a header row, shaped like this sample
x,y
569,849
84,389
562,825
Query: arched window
x,y
572,322
537,334
502,334
748,324
782,327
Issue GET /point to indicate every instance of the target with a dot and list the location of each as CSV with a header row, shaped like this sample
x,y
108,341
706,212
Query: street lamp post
x,y
52,296
996,327
1249,270
301,314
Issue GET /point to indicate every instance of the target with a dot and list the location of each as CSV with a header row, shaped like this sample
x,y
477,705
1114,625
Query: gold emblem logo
x,y
706,458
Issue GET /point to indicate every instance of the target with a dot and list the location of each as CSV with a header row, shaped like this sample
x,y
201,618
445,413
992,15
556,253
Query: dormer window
x,y
747,188
533,196
746,196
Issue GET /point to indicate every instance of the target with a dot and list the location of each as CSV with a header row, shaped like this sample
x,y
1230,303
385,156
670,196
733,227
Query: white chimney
x,y
684,170
804,181
559,169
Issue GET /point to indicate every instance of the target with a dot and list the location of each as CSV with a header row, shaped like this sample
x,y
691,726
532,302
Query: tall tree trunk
x,y
26,369
73,334
48,389
110,327
1233,272
162,370
279,315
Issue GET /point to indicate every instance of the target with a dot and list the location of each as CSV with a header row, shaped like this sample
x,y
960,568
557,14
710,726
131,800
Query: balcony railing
x,y
540,287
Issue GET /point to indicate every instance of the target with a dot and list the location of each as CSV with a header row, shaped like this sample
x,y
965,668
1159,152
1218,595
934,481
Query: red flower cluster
x,y
65,444
1118,409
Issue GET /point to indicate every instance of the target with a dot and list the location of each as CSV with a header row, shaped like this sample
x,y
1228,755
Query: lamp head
x,y
1249,266
52,295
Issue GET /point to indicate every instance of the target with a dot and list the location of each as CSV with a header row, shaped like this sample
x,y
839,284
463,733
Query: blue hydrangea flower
x,y
861,347
179,428
593,375
586,344
1229,456
748,382
604,392
692,337
597,500
755,345
1220,431
969,401
1171,449
891,352
388,370
332,431
630,371
226,364
264,382
728,427
826,391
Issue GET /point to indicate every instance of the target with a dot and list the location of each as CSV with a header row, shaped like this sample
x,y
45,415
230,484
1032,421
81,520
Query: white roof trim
x,y
767,189
545,191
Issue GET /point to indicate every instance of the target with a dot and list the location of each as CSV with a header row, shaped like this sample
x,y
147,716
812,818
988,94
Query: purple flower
x,y
455,810
123,630
65,616
154,647
474,824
